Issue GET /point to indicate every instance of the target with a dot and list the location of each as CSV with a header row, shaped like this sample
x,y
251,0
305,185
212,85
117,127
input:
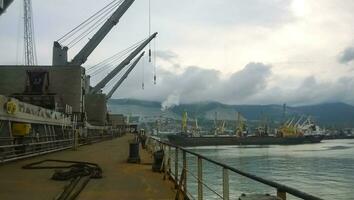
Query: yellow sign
x,y
11,107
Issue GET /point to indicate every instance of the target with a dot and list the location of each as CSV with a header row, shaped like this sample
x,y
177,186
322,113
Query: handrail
x,y
281,189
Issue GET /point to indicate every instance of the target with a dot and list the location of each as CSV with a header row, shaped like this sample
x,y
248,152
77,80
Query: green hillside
x,y
326,114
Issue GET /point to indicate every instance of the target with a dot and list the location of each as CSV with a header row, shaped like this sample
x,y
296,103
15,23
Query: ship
x,y
185,140
46,108
289,133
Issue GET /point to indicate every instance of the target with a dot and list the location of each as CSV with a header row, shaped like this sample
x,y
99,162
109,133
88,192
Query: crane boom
x,y
4,4
115,87
60,53
82,56
125,62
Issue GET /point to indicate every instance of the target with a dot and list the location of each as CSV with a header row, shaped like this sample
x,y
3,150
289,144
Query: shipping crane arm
x,y
116,86
4,4
60,53
124,63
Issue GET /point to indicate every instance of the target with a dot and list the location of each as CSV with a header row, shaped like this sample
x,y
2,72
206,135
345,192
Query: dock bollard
x,y
134,156
158,158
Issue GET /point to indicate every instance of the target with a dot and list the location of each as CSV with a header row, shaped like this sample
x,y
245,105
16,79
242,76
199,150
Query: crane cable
x,y
143,74
150,53
109,60
99,16
86,22
112,60
93,27
149,30
111,65
154,63
117,78
74,30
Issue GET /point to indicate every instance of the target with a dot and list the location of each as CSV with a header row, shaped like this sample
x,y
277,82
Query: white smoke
x,y
171,101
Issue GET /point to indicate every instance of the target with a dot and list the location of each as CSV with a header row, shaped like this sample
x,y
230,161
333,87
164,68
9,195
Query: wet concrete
x,y
120,179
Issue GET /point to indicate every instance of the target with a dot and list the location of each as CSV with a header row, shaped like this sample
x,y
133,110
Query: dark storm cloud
x,y
347,55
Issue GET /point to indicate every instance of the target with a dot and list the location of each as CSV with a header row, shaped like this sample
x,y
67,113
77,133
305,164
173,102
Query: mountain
x,y
326,114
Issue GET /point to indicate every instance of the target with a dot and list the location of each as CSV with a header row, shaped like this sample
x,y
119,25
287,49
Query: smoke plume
x,y
171,101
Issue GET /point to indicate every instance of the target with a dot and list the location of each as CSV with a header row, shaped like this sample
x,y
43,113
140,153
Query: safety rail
x,y
180,178
12,152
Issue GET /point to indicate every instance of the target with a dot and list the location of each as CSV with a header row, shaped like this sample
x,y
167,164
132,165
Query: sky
x,y
297,52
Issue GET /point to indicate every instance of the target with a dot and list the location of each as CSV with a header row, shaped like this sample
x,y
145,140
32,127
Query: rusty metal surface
x,y
120,179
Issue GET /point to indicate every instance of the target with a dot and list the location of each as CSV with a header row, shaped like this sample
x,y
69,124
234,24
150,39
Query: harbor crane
x,y
124,63
116,86
29,42
60,53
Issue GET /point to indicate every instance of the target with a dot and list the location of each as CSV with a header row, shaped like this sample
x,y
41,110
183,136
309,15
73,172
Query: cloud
x,y
250,85
309,91
211,47
195,83
249,81
229,12
166,55
347,55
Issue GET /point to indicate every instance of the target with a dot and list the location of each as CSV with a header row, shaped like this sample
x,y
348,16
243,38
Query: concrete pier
x,y
121,180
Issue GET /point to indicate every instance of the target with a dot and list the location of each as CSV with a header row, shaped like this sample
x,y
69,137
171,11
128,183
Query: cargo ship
x,y
47,108
289,133
189,141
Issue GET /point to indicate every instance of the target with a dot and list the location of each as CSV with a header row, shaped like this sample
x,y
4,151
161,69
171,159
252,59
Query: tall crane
x,y
115,87
29,43
185,122
124,63
60,53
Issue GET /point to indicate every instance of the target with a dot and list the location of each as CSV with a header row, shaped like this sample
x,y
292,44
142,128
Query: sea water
x,y
325,170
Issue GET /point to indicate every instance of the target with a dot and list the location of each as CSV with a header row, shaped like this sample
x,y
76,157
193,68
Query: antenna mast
x,y
29,43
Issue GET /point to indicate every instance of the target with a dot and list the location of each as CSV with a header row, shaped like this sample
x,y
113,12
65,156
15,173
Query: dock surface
x,y
121,180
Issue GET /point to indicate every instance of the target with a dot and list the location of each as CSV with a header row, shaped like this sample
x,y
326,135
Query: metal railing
x,y
34,146
180,177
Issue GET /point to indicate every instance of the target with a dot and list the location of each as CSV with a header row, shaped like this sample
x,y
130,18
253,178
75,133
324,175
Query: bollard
x,y
158,158
134,156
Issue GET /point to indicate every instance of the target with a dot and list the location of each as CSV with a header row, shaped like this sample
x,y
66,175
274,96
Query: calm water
x,y
325,170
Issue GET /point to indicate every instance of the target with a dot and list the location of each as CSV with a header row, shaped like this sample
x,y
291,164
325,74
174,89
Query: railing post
x,y
281,194
165,160
185,170
200,178
176,167
10,129
225,184
169,160
76,140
